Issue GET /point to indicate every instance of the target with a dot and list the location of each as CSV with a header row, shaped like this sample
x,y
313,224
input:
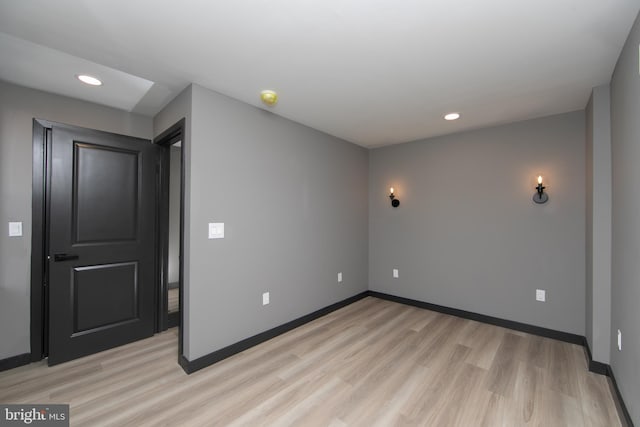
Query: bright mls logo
x,y
34,415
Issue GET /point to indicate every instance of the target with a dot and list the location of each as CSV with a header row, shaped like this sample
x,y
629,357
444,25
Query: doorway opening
x,y
170,223
173,255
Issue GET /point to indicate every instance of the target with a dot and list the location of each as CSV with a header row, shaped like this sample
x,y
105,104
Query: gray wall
x,y
294,204
588,327
173,263
598,213
625,283
467,234
18,107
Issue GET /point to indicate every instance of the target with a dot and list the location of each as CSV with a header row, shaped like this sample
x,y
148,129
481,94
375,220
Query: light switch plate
x,y
265,298
339,277
395,273
541,295
15,229
216,230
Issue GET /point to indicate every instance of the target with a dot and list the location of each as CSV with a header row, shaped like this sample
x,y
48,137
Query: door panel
x,y
101,241
98,187
104,295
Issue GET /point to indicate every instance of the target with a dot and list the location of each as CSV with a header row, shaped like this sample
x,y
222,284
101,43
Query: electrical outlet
x,y
541,295
395,273
340,277
265,298
619,340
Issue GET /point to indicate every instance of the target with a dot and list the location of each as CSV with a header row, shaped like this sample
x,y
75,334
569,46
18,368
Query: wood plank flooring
x,y
373,363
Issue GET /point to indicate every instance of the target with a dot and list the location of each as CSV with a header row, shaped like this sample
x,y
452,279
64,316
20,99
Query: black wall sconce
x,y
540,196
394,202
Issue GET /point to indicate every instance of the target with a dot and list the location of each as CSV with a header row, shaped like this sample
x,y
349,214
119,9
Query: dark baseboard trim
x,y
598,367
509,324
184,363
623,412
173,319
605,369
15,361
595,367
191,366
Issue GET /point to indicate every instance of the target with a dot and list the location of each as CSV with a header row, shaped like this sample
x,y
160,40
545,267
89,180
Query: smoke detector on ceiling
x,y
269,97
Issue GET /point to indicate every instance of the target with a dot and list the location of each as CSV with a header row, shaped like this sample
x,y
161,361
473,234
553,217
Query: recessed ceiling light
x,y
90,80
452,116
269,97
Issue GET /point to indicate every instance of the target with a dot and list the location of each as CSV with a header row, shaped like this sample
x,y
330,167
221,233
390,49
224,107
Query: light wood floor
x,y
372,363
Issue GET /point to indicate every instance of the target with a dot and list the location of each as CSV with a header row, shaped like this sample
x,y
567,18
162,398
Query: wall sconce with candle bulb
x,y
394,202
540,196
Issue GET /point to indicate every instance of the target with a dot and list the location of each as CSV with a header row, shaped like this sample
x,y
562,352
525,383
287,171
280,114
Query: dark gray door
x,y
101,241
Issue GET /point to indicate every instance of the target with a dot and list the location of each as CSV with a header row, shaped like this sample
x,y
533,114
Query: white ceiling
x,y
40,67
373,72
